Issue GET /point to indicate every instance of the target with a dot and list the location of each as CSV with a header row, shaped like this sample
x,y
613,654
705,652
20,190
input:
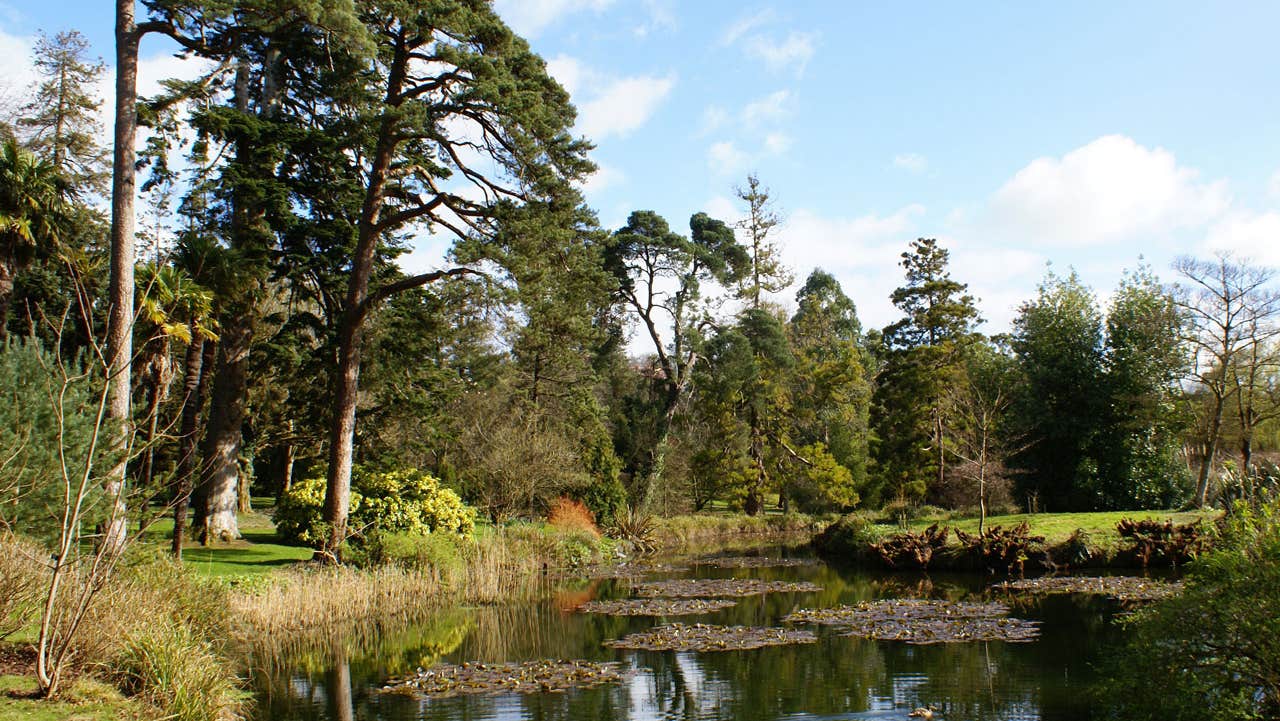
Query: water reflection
x,y
336,678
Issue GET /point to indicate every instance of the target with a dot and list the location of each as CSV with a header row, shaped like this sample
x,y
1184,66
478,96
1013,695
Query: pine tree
x,y
922,354
61,121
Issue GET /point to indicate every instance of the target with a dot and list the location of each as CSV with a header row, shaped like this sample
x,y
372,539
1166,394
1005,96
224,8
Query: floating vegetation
x,y
1121,588
447,680
702,637
755,562
630,570
720,588
656,606
922,622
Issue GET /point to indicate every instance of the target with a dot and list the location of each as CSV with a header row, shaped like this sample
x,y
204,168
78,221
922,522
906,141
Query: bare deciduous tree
x,y
1233,309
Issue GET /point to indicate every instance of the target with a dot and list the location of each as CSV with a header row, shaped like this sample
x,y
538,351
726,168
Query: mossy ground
x,y
86,700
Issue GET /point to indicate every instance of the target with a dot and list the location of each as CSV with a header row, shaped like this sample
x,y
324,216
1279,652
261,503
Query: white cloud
x,y
609,106
746,24
791,53
777,143
914,162
726,158
860,252
624,105
530,17
713,117
1248,235
771,107
606,176
1110,190
662,16
570,73
19,73
722,208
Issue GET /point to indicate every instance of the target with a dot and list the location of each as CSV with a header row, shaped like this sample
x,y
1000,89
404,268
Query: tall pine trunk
x,y
346,394
120,313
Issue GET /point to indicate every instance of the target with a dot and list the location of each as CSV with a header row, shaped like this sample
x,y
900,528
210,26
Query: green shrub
x,y
1210,652
438,551
404,501
605,498
851,537
46,419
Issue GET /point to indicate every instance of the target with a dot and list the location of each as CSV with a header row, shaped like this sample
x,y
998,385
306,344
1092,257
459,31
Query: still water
x,y
837,678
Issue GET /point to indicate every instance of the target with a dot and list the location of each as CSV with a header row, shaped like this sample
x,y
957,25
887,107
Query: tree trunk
x,y
7,274
120,313
244,501
346,394
658,456
192,385
1210,452
754,503
287,473
221,450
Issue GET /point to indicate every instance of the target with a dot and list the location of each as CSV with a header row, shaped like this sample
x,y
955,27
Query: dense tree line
x,y
277,338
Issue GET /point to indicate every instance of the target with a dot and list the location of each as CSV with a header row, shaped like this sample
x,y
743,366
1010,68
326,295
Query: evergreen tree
x,y
921,357
1145,360
445,79
61,121
1058,342
660,276
830,394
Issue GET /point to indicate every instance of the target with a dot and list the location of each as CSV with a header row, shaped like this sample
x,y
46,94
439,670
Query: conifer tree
x,y
922,353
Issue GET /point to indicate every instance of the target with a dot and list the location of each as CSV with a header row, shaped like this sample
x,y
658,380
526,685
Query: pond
x,y
838,677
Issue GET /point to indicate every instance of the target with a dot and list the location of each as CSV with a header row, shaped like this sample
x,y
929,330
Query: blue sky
x,y
1085,134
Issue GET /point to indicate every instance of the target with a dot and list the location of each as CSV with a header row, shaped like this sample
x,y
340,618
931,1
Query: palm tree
x,y
171,307
32,208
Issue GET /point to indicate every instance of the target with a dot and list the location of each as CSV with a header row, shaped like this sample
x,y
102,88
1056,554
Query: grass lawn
x,y
1057,527
259,551
87,700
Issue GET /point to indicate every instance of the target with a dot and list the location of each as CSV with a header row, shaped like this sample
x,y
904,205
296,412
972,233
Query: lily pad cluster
x,y
720,588
448,680
656,606
922,622
1121,588
631,570
754,562
703,637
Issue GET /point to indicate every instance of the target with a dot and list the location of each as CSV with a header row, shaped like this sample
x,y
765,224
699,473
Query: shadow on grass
x,y
256,552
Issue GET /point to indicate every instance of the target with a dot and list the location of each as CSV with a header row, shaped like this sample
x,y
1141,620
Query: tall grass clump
x,y
168,666
21,587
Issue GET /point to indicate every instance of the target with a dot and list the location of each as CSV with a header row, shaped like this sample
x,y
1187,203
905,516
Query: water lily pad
x,y
1121,588
702,637
754,562
921,622
447,680
656,606
720,588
